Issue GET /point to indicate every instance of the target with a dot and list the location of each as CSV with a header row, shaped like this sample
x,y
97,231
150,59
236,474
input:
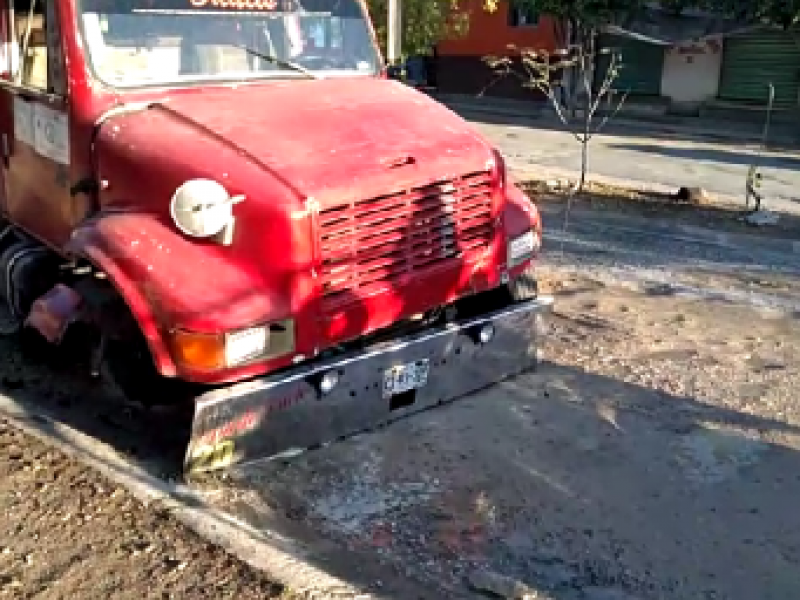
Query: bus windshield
x,y
136,43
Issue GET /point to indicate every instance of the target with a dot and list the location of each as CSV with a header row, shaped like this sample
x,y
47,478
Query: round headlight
x,y
202,207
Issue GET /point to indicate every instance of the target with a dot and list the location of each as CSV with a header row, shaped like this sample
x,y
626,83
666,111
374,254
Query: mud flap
x,y
279,416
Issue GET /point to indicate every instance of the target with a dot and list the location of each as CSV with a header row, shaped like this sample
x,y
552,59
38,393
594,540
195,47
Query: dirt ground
x,y
620,201
66,533
654,455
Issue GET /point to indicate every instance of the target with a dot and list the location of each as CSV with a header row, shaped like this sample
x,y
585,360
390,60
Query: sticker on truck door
x,y
44,129
51,134
23,121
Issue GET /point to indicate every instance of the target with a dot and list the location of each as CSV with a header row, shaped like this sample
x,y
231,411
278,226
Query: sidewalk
x,y
642,117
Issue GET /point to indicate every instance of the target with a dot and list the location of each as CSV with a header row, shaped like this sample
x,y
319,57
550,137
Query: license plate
x,y
404,378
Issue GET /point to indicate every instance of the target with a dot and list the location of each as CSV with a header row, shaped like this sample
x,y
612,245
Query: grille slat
x,y
422,232
370,244
422,253
342,223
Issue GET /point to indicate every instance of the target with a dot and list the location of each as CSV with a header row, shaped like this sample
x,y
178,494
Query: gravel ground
x,y
653,456
68,533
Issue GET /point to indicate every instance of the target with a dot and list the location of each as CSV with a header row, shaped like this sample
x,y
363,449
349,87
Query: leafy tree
x,y
425,22
784,13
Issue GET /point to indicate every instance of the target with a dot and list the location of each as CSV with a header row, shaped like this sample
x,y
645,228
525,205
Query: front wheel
x,y
131,368
525,286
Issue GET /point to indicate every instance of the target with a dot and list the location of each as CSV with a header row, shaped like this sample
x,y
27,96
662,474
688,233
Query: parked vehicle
x,y
254,219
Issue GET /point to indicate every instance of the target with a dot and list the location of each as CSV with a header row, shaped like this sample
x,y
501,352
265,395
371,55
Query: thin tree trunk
x,y
587,55
584,164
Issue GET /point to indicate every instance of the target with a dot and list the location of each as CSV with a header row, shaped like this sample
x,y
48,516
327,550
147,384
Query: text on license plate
x,y
404,378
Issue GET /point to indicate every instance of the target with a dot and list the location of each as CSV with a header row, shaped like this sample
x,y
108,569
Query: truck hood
x,y
336,138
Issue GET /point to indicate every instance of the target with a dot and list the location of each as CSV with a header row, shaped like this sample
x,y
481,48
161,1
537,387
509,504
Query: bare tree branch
x,y
611,115
545,73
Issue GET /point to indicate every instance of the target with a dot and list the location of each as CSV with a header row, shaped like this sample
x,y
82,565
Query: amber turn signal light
x,y
198,350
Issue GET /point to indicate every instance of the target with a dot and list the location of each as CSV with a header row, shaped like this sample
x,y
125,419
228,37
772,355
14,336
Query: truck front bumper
x,y
279,415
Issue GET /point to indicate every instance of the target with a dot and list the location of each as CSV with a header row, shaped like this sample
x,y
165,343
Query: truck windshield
x,y
136,43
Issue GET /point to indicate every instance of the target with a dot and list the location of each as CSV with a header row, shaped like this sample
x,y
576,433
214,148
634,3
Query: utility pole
x,y
395,32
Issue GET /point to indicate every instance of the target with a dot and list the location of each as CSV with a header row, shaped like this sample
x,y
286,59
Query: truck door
x,y
36,141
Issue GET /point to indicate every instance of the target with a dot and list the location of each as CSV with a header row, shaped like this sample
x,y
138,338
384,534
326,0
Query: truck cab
x,y
232,193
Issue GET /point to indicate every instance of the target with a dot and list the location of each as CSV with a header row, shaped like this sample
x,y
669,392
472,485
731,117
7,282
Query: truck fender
x,y
521,215
111,243
520,212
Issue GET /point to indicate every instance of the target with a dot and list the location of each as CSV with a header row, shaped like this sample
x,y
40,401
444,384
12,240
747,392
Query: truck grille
x,y
370,244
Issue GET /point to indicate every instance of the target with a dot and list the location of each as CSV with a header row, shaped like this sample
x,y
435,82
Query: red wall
x,y
489,33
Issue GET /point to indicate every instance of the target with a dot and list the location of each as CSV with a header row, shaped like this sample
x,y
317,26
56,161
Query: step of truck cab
x,y
329,400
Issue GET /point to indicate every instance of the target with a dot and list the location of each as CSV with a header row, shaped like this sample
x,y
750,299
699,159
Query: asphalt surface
x,y
634,154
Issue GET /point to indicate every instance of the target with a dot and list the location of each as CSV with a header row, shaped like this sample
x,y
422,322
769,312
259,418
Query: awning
x,y
663,28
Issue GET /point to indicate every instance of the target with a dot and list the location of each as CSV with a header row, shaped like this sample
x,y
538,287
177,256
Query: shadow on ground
x,y
580,486
667,129
668,474
717,155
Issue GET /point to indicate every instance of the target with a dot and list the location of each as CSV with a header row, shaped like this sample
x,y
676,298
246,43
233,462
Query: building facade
x,y
733,69
460,65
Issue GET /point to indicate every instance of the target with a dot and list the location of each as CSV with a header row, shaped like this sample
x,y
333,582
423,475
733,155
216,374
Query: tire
x,y
525,286
131,367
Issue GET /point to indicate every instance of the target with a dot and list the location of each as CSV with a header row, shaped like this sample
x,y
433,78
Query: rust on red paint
x,y
52,313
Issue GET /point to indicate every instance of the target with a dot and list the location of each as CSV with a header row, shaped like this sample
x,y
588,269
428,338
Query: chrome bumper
x,y
279,415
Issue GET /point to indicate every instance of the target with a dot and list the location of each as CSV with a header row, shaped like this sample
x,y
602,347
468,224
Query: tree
x,y
568,78
425,22
543,72
783,13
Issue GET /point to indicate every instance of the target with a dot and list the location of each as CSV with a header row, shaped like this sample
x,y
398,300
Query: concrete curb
x,y
282,559
545,173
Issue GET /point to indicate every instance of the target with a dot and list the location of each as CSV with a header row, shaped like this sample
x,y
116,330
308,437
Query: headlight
x,y
210,352
202,208
522,247
244,345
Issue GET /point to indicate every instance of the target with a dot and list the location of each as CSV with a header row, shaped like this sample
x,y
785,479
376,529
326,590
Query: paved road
x,y
718,167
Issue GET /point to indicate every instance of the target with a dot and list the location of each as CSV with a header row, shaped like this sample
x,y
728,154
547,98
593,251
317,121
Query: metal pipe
x,y
394,32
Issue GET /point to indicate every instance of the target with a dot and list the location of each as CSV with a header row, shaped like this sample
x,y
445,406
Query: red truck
x,y
253,220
